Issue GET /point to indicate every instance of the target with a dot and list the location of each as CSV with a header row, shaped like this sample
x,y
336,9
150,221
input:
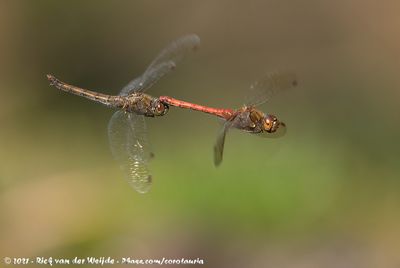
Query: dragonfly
x,y
247,118
127,128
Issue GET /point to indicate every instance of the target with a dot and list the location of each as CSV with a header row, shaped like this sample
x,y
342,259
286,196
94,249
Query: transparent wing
x,y
163,63
269,85
220,142
129,146
152,76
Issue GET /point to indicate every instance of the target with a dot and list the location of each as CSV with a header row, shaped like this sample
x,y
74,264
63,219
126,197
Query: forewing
x,y
269,85
220,142
165,62
129,146
152,76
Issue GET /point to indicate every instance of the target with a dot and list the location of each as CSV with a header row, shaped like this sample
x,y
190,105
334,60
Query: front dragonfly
x,y
247,118
127,128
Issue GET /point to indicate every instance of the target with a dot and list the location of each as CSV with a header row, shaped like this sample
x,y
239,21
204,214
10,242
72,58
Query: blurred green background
x,y
325,195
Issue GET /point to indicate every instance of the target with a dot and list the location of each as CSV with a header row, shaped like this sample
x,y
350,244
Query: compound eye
x,y
267,125
160,108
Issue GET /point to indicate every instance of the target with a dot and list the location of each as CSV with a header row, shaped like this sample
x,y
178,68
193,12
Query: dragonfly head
x,y
159,108
271,124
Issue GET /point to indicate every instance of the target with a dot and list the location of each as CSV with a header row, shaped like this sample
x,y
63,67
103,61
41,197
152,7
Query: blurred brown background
x,y
325,195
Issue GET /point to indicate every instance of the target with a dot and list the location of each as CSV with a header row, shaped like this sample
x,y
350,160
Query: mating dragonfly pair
x,y
127,128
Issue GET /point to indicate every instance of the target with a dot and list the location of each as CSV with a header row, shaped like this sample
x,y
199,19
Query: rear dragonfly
x,y
127,128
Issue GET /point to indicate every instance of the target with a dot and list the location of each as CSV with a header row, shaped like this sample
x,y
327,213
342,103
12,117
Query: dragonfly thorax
x,y
144,104
255,121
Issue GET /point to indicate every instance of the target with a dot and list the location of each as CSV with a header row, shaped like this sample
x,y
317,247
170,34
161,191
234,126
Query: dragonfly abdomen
x,y
223,113
109,100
